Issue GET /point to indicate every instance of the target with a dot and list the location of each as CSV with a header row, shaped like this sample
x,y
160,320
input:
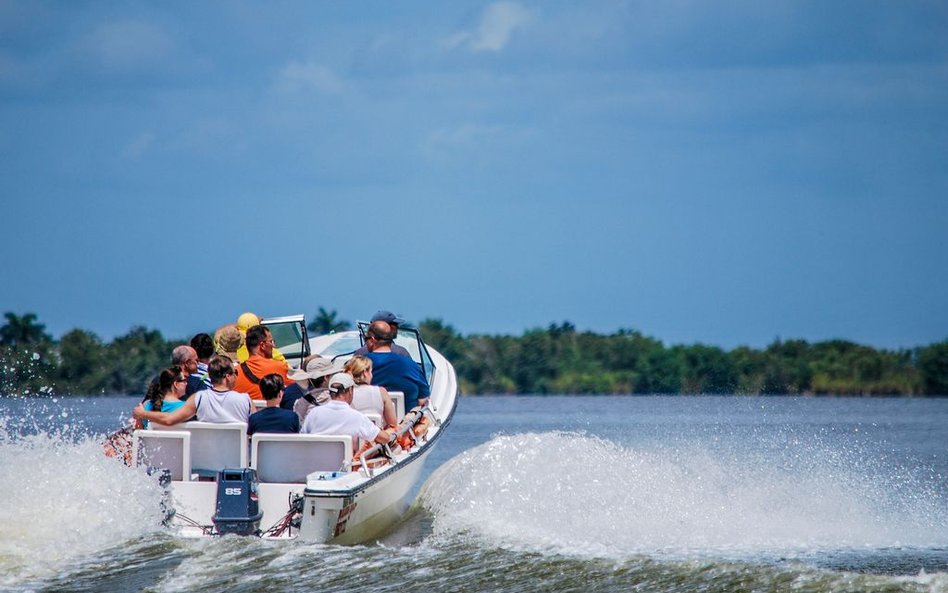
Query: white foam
x,y
574,493
63,499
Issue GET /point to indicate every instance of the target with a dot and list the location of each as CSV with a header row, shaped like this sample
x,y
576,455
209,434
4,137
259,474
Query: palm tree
x,y
22,330
327,322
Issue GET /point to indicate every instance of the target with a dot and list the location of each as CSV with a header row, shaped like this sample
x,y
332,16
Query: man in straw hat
x,y
311,388
227,340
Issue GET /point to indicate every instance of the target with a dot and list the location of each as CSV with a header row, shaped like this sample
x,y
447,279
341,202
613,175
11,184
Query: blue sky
x,y
725,173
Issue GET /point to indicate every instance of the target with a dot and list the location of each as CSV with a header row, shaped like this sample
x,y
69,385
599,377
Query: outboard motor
x,y
238,509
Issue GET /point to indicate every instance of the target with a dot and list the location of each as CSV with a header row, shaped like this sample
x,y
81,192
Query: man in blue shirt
x,y
393,371
393,322
273,418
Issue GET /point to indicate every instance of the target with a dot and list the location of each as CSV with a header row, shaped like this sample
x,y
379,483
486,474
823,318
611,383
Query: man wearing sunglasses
x,y
260,344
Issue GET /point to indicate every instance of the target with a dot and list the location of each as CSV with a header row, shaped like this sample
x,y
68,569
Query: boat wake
x,y
64,500
580,495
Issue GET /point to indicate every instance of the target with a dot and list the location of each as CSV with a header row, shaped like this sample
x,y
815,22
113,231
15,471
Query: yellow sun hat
x,y
247,320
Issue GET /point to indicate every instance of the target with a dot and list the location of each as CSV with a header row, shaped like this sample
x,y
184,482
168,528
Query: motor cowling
x,y
238,508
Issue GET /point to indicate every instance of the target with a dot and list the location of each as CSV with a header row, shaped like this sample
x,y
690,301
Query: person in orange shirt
x,y
245,322
259,343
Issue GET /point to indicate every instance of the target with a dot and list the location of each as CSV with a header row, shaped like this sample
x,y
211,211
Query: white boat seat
x,y
168,449
289,458
375,418
215,446
399,399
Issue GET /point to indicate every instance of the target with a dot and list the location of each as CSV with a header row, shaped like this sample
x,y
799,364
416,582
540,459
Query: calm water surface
x,y
531,494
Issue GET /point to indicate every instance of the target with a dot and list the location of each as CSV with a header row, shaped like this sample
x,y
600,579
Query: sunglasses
x,y
181,380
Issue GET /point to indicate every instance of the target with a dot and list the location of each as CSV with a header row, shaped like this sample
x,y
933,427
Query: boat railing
x,y
406,427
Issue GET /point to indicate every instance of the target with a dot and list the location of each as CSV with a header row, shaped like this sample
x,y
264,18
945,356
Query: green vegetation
x,y
327,322
558,359
32,363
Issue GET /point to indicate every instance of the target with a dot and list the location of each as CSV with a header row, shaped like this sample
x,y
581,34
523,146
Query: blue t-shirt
x,y
165,407
273,420
398,373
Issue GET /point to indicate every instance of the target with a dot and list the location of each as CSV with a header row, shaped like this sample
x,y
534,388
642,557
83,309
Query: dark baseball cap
x,y
387,317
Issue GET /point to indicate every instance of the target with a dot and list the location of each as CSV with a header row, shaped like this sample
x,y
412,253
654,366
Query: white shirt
x,y
222,406
368,399
336,417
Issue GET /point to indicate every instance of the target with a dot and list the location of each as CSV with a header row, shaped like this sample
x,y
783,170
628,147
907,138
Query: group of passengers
x,y
321,397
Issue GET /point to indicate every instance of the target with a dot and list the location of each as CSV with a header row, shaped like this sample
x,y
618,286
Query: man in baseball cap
x,y
393,321
388,317
338,417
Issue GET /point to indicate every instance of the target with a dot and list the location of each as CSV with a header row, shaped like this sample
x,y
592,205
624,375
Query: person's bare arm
x,y
383,436
389,415
188,410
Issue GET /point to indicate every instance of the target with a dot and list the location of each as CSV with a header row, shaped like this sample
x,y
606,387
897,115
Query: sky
x,y
729,173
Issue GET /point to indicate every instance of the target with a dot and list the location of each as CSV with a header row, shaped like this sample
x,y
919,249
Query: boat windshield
x,y
346,344
289,336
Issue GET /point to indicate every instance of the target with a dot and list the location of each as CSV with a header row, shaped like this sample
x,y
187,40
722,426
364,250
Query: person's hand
x,y
139,411
423,402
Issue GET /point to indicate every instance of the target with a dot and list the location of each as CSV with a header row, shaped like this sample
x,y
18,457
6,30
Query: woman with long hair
x,y
368,398
164,395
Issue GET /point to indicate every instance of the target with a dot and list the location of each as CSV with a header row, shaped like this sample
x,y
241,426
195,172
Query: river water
x,y
580,494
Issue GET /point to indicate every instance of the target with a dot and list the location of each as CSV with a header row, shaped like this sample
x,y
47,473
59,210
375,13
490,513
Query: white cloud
x,y
217,136
301,77
474,142
137,148
497,25
127,45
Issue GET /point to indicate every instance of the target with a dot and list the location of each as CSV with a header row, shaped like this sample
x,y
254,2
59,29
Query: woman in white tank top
x,y
368,398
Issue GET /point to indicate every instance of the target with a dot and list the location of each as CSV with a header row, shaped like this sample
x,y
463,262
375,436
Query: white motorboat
x,y
305,486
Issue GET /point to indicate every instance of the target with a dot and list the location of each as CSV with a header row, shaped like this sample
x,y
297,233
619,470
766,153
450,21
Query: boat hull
x,y
346,516
354,517
341,507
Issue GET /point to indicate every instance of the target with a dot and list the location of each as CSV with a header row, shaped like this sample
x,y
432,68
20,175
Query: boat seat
x,y
168,449
215,446
399,399
289,458
375,418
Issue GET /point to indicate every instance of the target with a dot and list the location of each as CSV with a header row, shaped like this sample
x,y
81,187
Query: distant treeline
x,y
556,359
559,359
